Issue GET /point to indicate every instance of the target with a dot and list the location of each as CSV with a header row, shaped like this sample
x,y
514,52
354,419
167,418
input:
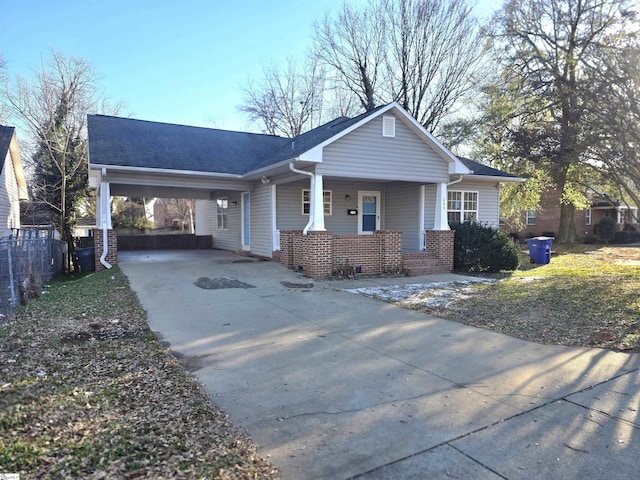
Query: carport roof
x,y
117,141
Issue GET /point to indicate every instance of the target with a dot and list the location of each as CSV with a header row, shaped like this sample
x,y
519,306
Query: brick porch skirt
x,y
323,254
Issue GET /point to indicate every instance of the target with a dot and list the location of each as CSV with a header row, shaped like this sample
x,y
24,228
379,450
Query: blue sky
x,y
180,61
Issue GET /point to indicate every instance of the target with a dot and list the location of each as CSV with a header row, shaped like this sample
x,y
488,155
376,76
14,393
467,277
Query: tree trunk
x,y
567,230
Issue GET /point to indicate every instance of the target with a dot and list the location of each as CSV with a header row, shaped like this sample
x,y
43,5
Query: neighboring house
x,y
84,227
374,192
545,220
13,188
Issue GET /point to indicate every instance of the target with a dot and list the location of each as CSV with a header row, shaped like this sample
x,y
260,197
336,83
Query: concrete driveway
x,y
334,385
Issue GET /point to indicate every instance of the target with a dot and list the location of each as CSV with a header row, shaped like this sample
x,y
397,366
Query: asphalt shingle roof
x,y
139,143
144,144
483,170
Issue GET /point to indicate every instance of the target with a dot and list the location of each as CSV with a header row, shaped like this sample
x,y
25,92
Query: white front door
x,y
368,212
246,221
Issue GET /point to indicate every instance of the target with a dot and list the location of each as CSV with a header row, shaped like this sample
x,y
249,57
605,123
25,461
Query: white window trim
x,y
462,201
222,212
388,126
330,202
587,216
527,217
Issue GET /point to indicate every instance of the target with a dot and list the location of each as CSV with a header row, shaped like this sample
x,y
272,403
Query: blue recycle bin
x,y
540,249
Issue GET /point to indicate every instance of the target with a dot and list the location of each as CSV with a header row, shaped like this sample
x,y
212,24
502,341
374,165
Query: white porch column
x,y
104,202
317,205
441,222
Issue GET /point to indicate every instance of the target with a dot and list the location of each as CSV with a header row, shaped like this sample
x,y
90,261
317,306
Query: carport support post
x,y
112,255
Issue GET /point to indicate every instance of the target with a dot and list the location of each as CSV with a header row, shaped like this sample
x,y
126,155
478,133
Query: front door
x,y
368,212
246,221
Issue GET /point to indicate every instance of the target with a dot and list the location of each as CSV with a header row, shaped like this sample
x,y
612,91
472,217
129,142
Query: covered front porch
x,y
331,226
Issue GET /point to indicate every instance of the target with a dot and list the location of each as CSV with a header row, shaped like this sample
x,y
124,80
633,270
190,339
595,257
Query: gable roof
x,y
117,141
6,134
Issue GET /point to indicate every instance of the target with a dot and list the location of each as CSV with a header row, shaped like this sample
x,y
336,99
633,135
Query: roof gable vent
x,y
388,126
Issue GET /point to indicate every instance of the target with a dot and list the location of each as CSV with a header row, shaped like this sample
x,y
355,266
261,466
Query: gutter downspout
x,y
104,198
455,181
311,203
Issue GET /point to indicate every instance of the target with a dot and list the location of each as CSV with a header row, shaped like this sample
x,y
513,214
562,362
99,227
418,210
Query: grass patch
x,y
87,391
586,296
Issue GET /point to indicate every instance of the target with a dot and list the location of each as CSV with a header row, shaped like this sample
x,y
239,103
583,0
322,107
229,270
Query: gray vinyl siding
x,y
228,239
289,205
402,212
365,153
9,203
430,192
205,217
261,229
488,200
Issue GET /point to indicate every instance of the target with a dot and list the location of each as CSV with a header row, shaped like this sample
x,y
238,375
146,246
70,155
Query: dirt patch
x,y
207,283
296,285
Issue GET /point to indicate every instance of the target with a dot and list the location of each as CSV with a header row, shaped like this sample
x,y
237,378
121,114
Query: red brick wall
x,y
320,253
440,246
548,219
112,243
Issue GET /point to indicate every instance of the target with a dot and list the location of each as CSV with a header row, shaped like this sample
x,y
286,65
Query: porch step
x,y
422,264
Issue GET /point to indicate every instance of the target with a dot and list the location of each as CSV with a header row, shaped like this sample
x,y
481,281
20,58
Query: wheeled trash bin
x,y
540,249
86,259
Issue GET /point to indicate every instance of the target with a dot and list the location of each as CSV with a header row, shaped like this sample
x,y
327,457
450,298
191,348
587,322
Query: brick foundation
x,y
320,254
112,243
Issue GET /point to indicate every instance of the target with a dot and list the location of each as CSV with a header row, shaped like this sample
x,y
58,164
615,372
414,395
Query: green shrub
x,y
607,229
480,248
627,236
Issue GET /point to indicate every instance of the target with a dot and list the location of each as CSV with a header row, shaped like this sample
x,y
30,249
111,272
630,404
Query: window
x,y
587,216
388,126
531,217
462,206
223,213
306,201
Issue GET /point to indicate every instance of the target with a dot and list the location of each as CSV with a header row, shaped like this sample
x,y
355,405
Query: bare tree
x,y
433,50
52,106
287,102
353,45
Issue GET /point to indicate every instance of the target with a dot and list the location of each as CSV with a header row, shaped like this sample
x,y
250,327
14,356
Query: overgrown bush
x,y
480,248
607,229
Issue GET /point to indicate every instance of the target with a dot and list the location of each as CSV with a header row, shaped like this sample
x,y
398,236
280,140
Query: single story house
x,y
13,188
374,193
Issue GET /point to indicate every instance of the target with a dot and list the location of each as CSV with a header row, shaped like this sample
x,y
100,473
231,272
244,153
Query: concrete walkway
x,y
334,385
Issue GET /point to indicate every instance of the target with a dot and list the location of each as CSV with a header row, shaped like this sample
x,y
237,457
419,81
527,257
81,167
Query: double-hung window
x,y
530,217
462,206
222,210
306,202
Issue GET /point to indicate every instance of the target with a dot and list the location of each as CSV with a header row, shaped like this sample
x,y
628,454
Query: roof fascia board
x,y
257,173
167,171
493,178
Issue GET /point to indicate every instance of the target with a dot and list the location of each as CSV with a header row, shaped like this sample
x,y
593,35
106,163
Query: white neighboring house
x,y
13,187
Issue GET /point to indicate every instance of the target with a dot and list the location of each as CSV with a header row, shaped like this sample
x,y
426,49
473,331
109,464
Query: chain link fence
x,y
28,259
